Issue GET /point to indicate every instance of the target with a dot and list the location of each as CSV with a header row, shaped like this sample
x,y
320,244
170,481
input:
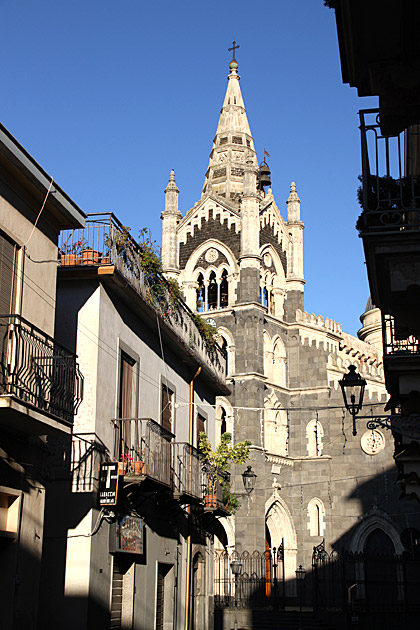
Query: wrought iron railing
x,y
38,370
390,192
87,452
105,241
187,471
260,583
366,582
143,448
396,342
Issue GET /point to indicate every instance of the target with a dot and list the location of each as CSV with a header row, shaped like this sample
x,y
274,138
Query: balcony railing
x,y
105,241
87,453
396,342
390,192
143,448
38,370
187,472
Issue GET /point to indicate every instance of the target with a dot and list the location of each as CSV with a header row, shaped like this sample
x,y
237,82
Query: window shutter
x,y
7,275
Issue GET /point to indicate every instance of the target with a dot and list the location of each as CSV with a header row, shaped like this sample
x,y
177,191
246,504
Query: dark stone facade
x,y
210,229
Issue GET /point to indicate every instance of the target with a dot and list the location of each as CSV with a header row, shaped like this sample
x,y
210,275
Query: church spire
x,y
233,143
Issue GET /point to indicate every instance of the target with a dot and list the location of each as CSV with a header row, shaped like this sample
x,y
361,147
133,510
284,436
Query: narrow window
x,y
212,292
167,408
201,425
200,294
316,513
223,427
223,345
265,297
272,306
314,435
224,290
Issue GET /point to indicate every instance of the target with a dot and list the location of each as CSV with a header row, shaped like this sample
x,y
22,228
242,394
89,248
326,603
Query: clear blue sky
x,y
109,96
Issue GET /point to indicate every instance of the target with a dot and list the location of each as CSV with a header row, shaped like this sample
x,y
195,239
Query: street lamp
x,y
236,568
249,477
353,388
300,576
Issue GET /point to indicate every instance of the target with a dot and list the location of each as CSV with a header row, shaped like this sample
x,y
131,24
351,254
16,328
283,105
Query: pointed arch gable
x,y
278,274
375,520
198,252
280,522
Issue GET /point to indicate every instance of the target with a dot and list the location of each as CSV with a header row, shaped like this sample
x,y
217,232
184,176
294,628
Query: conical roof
x,y
232,145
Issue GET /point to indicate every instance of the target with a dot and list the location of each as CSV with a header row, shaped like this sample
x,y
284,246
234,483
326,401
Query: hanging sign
x,y
108,483
127,536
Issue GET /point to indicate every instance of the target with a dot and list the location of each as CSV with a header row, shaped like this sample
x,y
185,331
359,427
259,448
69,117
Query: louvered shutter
x,y
7,274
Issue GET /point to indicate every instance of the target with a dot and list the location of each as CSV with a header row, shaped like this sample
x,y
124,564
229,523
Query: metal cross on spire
x,y
234,47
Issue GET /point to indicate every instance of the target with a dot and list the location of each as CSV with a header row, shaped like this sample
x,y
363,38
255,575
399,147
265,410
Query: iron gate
x,y
260,582
361,582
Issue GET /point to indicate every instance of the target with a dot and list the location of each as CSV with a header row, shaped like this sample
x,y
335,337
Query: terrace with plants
x,y
106,247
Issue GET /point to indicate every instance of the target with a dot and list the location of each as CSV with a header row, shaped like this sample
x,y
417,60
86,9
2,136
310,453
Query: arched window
x,y
272,308
279,363
314,436
316,514
224,299
223,426
200,293
268,356
224,345
212,292
265,297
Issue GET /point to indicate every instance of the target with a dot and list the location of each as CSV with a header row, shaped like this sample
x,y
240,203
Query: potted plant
x,y
71,253
90,256
125,464
217,462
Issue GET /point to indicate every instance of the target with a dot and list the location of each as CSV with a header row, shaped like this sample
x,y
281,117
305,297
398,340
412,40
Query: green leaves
x,y
218,460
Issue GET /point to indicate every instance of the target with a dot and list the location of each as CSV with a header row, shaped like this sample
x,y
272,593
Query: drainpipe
x,y
187,591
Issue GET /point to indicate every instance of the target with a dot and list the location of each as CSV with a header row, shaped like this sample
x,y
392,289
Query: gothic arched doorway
x,y
380,569
279,525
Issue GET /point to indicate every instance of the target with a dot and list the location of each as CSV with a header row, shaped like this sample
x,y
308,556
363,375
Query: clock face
x,y
372,442
211,322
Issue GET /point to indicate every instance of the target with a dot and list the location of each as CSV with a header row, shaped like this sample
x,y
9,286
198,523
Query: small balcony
x,y
390,191
401,360
390,221
187,473
39,374
143,449
104,249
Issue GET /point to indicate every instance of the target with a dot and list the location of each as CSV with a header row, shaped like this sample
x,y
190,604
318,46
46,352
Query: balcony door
x,y
128,389
128,405
167,407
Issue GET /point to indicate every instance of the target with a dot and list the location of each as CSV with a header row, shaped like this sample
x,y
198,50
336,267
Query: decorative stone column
x,y
170,219
295,281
